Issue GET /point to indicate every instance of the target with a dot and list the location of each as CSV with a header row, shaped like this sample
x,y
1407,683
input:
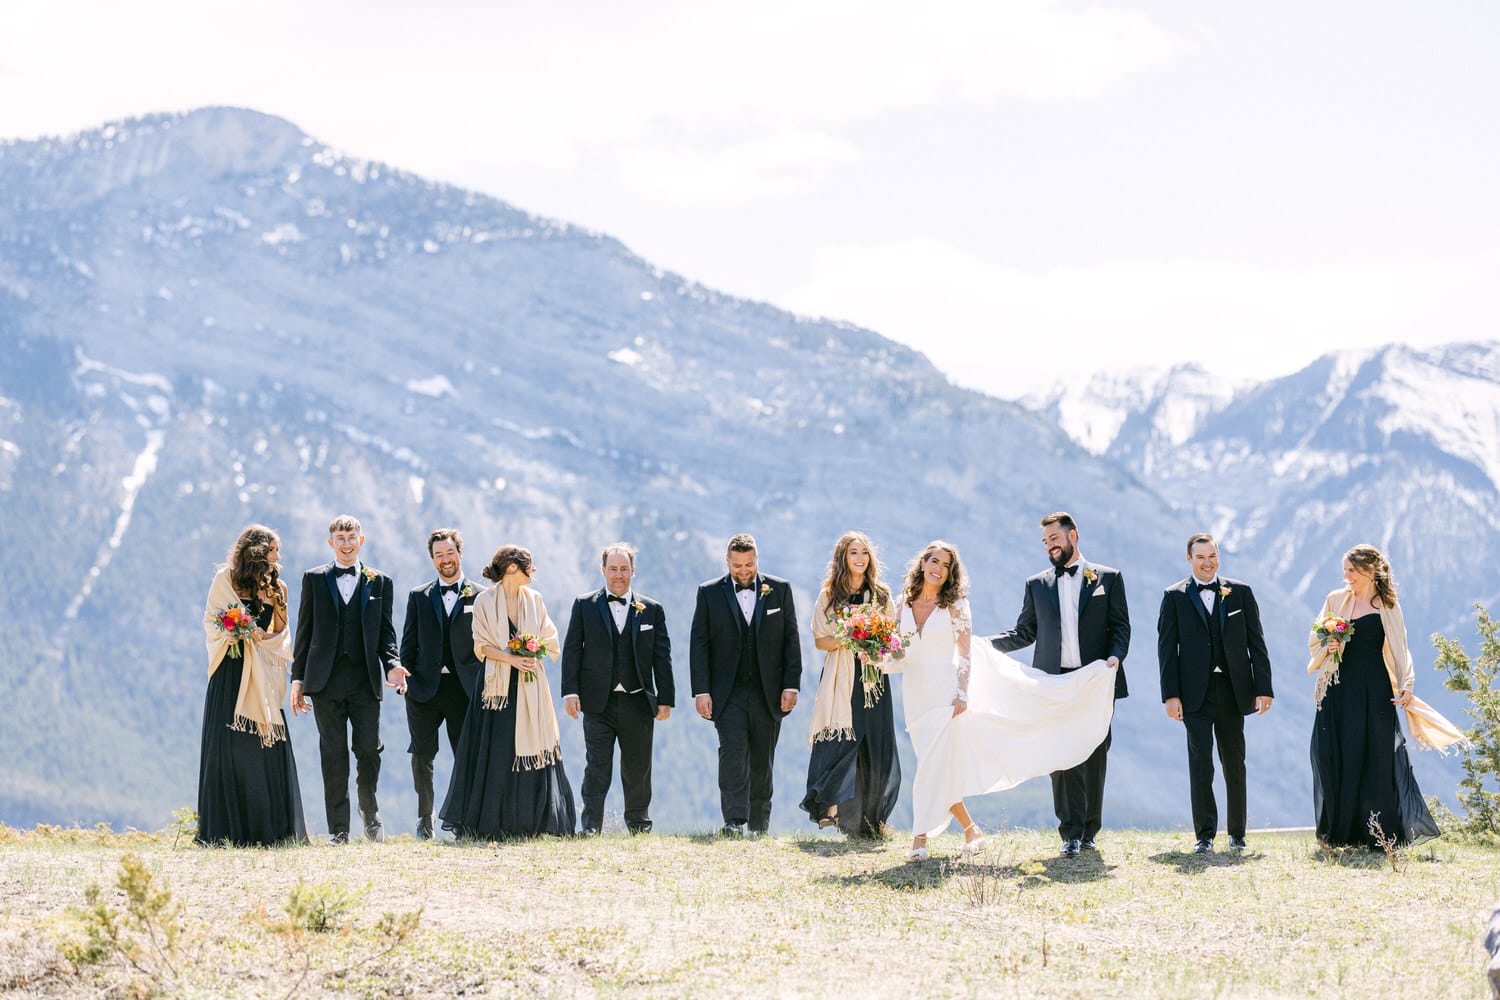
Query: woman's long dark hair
x,y
953,589
249,560
838,585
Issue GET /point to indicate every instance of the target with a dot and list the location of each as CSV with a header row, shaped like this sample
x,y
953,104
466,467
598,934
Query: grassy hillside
x,y
696,916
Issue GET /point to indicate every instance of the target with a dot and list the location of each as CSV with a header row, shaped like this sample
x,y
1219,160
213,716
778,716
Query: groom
x,y
1075,613
1214,671
746,666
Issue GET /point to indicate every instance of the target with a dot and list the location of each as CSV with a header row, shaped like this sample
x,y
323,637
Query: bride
x,y
986,727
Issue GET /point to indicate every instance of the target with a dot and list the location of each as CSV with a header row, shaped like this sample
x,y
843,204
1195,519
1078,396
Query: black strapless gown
x,y
487,799
247,794
861,776
1359,760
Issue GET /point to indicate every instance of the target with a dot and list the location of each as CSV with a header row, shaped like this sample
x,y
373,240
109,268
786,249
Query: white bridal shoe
x,y
972,847
918,853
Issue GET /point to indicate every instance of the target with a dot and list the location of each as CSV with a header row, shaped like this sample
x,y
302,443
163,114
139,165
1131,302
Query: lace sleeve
x,y
962,632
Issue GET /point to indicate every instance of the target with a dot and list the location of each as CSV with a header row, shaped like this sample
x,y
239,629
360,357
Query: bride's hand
x,y
960,706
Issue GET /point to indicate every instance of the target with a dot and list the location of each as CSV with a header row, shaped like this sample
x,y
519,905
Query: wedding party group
x,y
472,660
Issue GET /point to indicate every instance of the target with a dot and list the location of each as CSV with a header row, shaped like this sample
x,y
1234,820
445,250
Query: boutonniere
x,y
468,591
1090,577
1225,591
369,574
765,590
640,607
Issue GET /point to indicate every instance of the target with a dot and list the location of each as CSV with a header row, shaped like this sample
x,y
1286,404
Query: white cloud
x,y
545,84
790,163
1011,332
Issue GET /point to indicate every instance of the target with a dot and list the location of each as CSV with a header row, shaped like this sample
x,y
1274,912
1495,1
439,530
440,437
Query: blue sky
x,y
1244,186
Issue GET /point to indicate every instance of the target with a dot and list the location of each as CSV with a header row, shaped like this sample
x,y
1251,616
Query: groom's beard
x,y
1064,557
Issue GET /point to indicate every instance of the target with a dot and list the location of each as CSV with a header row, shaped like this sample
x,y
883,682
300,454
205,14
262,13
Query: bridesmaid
x,y
508,778
1359,760
247,777
853,775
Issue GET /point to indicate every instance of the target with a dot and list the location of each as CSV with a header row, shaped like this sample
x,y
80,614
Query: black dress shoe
x,y
1089,845
424,828
342,837
590,831
1070,848
1203,847
1237,844
375,830
733,830
640,828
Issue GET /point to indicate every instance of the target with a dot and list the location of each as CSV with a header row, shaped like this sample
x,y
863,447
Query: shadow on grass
x,y
834,847
1189,863
1088,866
909,876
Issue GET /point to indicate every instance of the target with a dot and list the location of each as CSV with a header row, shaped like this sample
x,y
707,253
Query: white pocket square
x,y
1098,591
773,611
647,628
1233,613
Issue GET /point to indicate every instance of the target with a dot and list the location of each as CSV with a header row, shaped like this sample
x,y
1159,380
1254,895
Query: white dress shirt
x,y
348,582
1068,590
450,598
747,600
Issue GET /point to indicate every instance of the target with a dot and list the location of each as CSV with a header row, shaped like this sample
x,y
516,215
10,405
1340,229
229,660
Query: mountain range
x,y
211,319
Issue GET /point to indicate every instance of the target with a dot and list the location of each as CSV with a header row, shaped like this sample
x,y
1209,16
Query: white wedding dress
x,y
1020,723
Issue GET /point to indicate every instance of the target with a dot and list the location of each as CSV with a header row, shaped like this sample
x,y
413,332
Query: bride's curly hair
x,y
1368,559
838,586
249,561
954,589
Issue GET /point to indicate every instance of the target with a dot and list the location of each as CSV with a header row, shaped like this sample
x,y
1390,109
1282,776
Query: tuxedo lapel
x,y
435,594
1085,589
601,601
1196,599
734,605
333,584
363,582
759,615
632,622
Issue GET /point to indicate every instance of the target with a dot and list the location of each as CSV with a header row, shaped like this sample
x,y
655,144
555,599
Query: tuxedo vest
x,y
749,668
624,671
1215,635
446,621
351,654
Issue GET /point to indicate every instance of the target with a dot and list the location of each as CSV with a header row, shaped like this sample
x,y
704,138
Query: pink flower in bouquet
x,y
532,646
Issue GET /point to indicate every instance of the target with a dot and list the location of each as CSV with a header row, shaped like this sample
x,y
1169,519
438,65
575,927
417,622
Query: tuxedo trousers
x,y
446,708
1219,720
356,711
627,719
1078,795
748,731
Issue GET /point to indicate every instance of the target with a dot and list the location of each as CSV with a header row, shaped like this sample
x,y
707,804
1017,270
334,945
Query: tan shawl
x,y
1428,727
832,717
257,709
536,719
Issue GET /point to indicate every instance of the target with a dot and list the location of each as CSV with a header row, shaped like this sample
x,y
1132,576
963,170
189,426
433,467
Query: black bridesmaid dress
x,y
247,793
861,776
1359,760
487,798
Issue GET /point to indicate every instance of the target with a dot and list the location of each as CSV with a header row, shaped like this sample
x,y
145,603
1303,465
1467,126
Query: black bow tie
x,y
345,570
1067,570
449,588
1207,586
615,600
744,586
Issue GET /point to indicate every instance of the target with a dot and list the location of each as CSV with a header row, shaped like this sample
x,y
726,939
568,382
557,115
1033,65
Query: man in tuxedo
x,y
438,669
344,646
1075,613
617,670
1214,672
746,665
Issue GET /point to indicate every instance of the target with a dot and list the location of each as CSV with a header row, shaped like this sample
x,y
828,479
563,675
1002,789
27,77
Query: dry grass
x,y
695,916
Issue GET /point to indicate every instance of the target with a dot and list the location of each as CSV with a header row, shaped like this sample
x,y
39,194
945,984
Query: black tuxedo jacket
x,y
588,651
718,627
1185,649
1103,621
422,639
317,641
